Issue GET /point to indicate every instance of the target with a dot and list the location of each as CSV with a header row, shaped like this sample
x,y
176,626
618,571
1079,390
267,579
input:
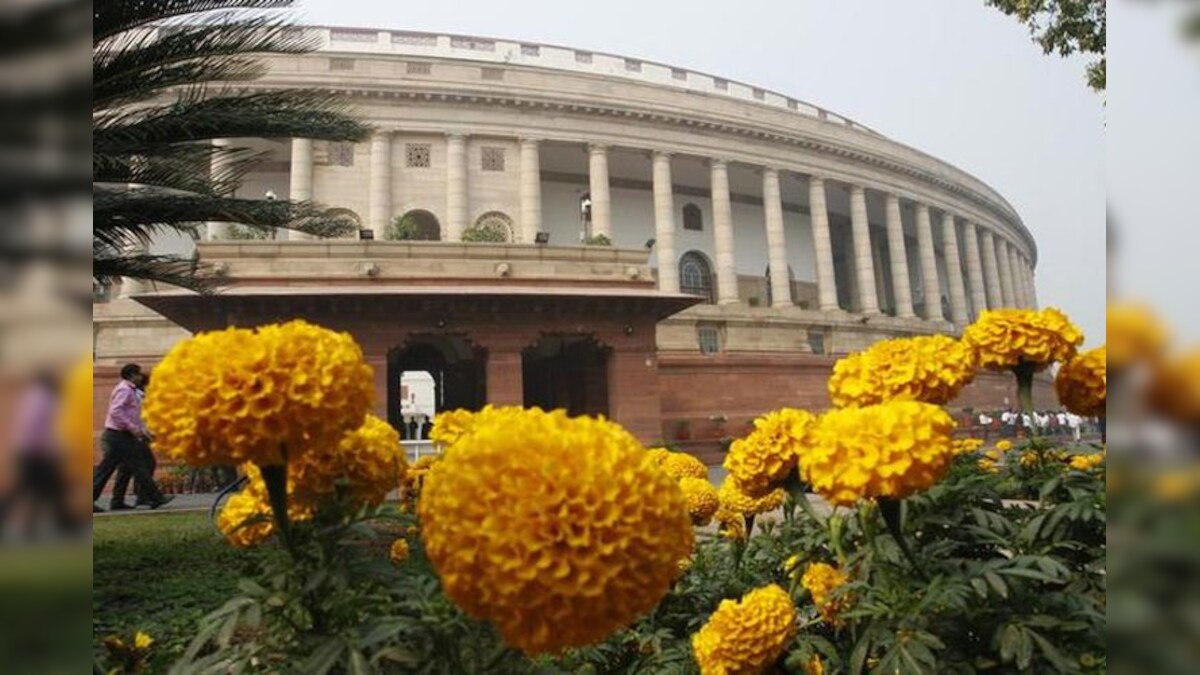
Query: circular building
x,y
542,225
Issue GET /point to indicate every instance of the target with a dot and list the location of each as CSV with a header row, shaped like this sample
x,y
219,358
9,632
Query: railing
x,y
418,449
506,52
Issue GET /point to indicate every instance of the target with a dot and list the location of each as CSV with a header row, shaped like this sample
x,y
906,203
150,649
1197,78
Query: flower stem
x,y
892,514
275,478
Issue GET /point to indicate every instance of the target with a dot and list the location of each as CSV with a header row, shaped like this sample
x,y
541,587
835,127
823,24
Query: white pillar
x,y
1018,276
864,262
1033,298
379,190
456,186
598,185
991,271
954,274
531,190
727,286
929,274
781,283
827,295
217,166
300,179
975,268
1007,290
664,224
898,252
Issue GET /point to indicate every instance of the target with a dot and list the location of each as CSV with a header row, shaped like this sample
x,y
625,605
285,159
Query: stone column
x,y
827,294
456,186
531,190
975,268
781,283
598,185
1032,281
300,179
379,190
954,275
991,270
1007,289
664,224
217,166
727,286
1018,276
864,263
898,252
929,274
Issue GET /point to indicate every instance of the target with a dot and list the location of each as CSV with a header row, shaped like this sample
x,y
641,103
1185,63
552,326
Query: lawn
x,y
161,573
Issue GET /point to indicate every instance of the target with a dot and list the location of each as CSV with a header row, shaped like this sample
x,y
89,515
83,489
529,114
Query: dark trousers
x,y
121,448
124,475
42,488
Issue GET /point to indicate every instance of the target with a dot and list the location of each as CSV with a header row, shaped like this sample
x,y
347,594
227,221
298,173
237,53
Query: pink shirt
x,y
125,410
35,421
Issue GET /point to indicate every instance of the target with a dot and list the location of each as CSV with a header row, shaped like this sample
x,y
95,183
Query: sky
x,y
1154,162
955,78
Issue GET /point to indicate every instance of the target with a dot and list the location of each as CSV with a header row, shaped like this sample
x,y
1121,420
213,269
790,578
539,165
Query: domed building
x,y
542,225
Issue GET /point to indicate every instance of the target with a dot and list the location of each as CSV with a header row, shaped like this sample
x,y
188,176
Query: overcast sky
x,y
952,77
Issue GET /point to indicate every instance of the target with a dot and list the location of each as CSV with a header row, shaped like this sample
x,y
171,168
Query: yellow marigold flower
x,y
822,581
1004,446
142,641
1175,388
368,461
1135,335
933,369
236,396
989,465
702,499
1005,338
814,666
659,455
731,524
449,426
1087,462
114,643
791,564
764,459
1082,383
733,498
964,446
557,530
399,551
680,465
889,450
746,636
75,419
247,519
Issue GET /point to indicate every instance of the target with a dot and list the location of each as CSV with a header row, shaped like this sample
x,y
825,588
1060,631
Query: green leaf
x,y
325,657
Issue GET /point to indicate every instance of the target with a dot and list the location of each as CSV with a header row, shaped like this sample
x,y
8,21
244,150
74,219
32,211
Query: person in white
x,y
1076,423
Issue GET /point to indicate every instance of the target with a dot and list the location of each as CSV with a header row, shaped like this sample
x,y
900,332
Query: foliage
x,y
479,235
161,93
1066,27
244,233
598,240
402,228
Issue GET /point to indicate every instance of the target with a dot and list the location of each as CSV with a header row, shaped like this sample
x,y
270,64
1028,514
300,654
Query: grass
x,y
161,574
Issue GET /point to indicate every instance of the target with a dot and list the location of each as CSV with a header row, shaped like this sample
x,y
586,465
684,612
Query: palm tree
x,y
168,78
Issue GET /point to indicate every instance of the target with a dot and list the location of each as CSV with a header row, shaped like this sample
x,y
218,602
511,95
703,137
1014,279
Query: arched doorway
x,y
347,222
451,363
568,372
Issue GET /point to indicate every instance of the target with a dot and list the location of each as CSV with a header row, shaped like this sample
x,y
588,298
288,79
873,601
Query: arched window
x,y
695,275
495,226
416,225
346,220
693,218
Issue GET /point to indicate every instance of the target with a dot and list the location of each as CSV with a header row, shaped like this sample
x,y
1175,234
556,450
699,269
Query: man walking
x,y
122,438
144,455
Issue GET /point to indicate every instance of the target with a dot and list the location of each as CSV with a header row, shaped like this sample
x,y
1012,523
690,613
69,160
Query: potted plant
x,y
683,430
598,240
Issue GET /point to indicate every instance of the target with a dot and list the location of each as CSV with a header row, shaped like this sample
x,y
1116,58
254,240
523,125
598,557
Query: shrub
x,y
598,240
478,234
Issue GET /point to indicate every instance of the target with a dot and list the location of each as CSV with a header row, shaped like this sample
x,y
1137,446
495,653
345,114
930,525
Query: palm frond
x,y
109,267
202,116
112,17
186,167
140,66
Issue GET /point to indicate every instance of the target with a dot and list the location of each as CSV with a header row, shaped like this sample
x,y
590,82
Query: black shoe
x,y
119,506
162,502
97,509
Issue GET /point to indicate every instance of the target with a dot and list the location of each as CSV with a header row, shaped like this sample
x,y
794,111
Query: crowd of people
x,y
1012,423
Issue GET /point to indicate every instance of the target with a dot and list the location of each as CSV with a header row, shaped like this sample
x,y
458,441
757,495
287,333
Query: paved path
x,y
193,502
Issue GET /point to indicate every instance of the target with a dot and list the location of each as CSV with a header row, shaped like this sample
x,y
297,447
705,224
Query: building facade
x,y
754,237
